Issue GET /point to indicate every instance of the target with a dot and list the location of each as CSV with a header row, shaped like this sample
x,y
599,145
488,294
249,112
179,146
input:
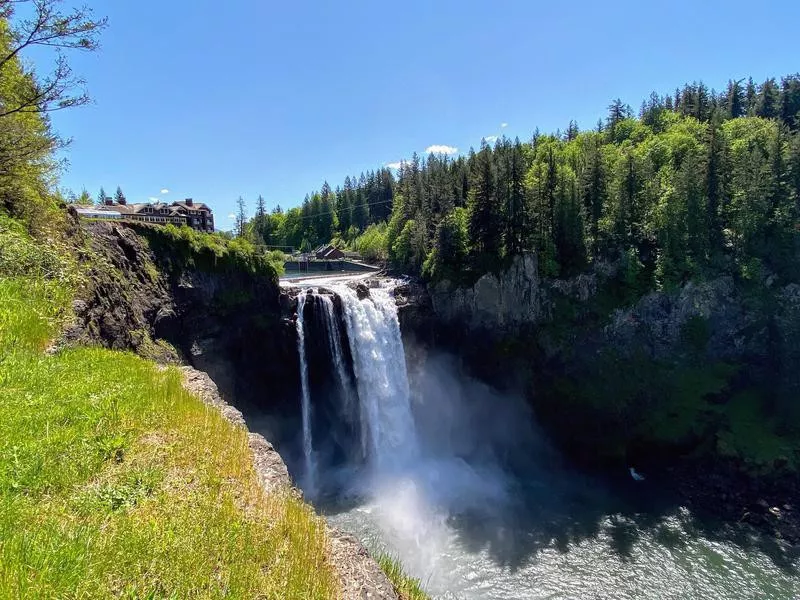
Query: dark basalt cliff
x,y
174,304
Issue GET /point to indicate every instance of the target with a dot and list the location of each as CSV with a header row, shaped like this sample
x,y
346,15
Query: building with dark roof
x,y
329,252
198,216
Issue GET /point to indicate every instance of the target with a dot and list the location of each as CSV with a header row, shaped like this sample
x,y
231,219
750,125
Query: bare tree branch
x,y
48,27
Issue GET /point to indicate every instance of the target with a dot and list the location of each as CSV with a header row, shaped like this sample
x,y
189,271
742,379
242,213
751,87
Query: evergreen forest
x,y
694,183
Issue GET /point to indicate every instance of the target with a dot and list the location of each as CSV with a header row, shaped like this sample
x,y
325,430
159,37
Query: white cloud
x,y
440,149
490,139
394,165
154,199
503,125
232,217
165,191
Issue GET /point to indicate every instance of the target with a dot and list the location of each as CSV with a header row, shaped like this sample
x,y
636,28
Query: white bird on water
x,y
636,476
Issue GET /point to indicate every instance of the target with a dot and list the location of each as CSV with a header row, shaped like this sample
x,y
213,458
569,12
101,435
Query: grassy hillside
x,y
114,481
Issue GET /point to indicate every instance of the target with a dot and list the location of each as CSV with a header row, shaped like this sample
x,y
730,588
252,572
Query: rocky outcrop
x,y
696,385
658,322
610,373
126,297
518,301
229,322
497,300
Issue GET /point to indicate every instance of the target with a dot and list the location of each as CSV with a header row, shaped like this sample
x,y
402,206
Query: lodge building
x,y
186,212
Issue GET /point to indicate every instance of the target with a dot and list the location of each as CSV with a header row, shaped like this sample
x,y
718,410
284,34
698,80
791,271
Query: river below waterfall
x,y
455,481
556,543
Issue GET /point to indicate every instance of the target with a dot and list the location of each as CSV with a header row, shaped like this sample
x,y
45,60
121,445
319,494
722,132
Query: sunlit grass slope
x,y
407,588
116,482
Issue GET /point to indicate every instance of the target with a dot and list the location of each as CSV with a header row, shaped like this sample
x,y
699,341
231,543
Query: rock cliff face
x,y
496,301
695,386
230,323
661,376
518,300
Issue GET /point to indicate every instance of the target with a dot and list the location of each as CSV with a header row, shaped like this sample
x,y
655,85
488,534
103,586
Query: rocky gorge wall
x,y
706,370
142,294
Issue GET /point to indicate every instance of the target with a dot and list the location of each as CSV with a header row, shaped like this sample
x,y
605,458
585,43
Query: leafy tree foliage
x,y
27,141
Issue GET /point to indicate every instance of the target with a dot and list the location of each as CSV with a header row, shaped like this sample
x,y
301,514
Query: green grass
x,y
116,482
406,587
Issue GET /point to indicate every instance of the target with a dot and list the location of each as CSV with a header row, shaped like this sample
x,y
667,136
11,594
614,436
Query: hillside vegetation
x,y
114,480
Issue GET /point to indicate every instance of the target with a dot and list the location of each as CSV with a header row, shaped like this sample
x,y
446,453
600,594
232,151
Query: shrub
x,y
183,247
20,254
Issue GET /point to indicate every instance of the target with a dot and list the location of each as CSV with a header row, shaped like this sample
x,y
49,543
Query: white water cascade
x,y
349,401
305,404
388,432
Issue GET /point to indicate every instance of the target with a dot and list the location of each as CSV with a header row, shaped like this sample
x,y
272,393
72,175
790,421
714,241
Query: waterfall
x,y
379,363
360,406
308,445
347,394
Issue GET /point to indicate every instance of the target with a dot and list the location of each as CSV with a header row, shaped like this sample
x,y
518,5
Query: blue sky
x,y
214,100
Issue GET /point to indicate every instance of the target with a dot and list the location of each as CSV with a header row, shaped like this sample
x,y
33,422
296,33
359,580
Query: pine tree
x,y
450,246
651,110
751,95
241,217
625,202
593,187
261,223
793,166
516,211
617,111
101,196
779,233
484,218
344,207
692,187
360,209
768,103
572,131
119,197
715,186
688,103
702,103
326,216
790,101
735,101
568,225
